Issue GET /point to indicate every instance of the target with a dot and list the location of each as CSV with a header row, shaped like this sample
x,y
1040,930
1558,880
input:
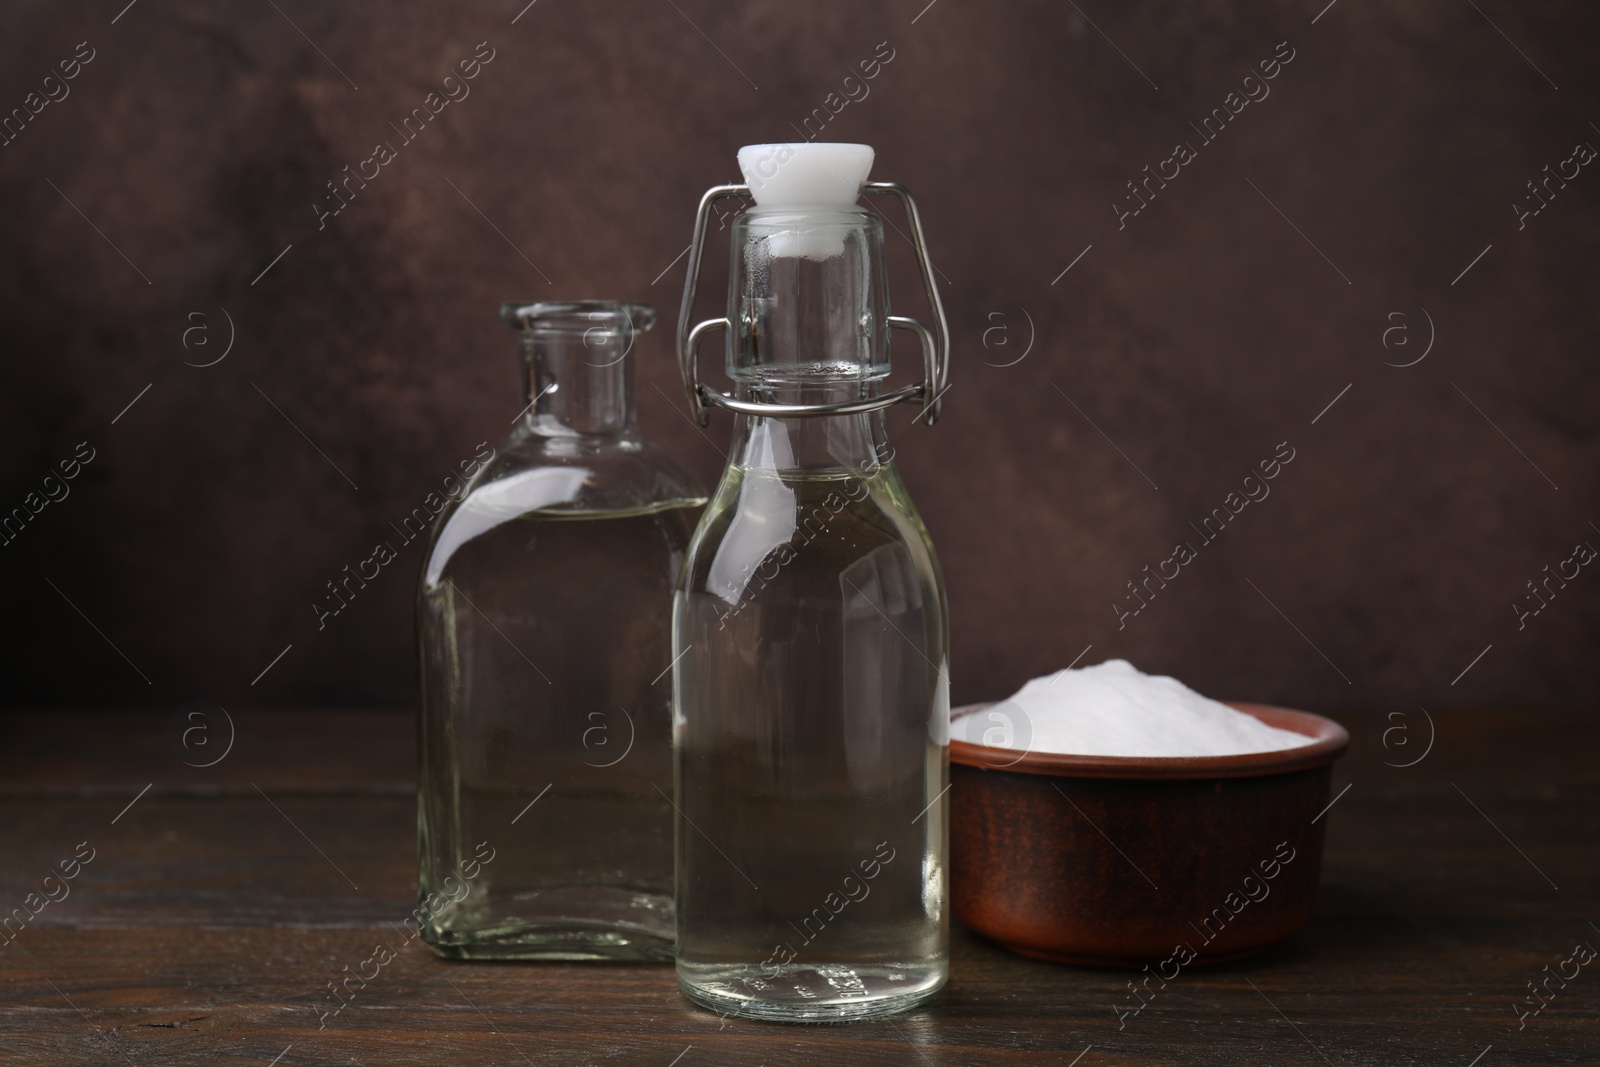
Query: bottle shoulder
x,y
533,473
536,477
802,526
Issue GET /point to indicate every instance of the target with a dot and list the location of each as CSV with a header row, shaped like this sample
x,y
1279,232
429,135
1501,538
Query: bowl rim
x,y
1332,741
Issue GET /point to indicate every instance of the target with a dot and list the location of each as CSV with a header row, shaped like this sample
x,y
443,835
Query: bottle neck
x,y
856,443
808,301
578,384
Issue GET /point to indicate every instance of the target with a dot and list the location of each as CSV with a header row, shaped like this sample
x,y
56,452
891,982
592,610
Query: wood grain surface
x,y
219,905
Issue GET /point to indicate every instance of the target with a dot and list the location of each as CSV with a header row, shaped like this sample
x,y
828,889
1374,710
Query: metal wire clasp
x,y
935,343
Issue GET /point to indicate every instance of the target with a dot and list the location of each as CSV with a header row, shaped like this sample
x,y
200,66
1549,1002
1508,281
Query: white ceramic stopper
x,y
802,175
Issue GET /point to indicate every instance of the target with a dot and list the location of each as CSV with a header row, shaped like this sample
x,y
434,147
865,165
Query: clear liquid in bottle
x,y
811,691
544,626
815,698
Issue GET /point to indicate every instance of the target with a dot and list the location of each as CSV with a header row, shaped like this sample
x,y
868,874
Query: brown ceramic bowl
x,y
1119,861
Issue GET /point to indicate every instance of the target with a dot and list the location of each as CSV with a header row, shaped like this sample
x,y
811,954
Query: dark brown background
x,y
1196,339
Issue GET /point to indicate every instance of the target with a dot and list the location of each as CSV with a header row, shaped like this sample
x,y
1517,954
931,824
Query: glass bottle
x,y
811,696
543,620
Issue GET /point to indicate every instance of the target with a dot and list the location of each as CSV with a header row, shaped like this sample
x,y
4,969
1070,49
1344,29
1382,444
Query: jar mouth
x,y
817,214
578,317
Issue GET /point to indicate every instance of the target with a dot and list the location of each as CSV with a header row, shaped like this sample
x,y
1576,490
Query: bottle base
x,y
813,993
550,942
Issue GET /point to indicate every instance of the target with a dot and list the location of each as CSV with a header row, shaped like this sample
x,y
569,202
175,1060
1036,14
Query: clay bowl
x,y
1120,861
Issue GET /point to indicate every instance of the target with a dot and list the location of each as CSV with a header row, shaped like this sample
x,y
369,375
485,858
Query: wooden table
x,y
220,903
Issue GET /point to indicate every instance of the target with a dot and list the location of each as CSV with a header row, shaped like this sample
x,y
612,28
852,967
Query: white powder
x,y
1115,709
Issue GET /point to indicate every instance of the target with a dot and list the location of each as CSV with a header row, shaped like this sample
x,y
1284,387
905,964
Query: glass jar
x,y
544,631
811,690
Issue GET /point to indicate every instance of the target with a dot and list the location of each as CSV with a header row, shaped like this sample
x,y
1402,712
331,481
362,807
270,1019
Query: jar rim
x,y
799,214
577,316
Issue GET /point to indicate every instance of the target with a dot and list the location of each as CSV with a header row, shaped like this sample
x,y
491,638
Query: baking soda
x,y
1115,709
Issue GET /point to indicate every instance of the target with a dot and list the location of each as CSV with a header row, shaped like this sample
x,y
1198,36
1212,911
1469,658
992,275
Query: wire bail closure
x,y
935,343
